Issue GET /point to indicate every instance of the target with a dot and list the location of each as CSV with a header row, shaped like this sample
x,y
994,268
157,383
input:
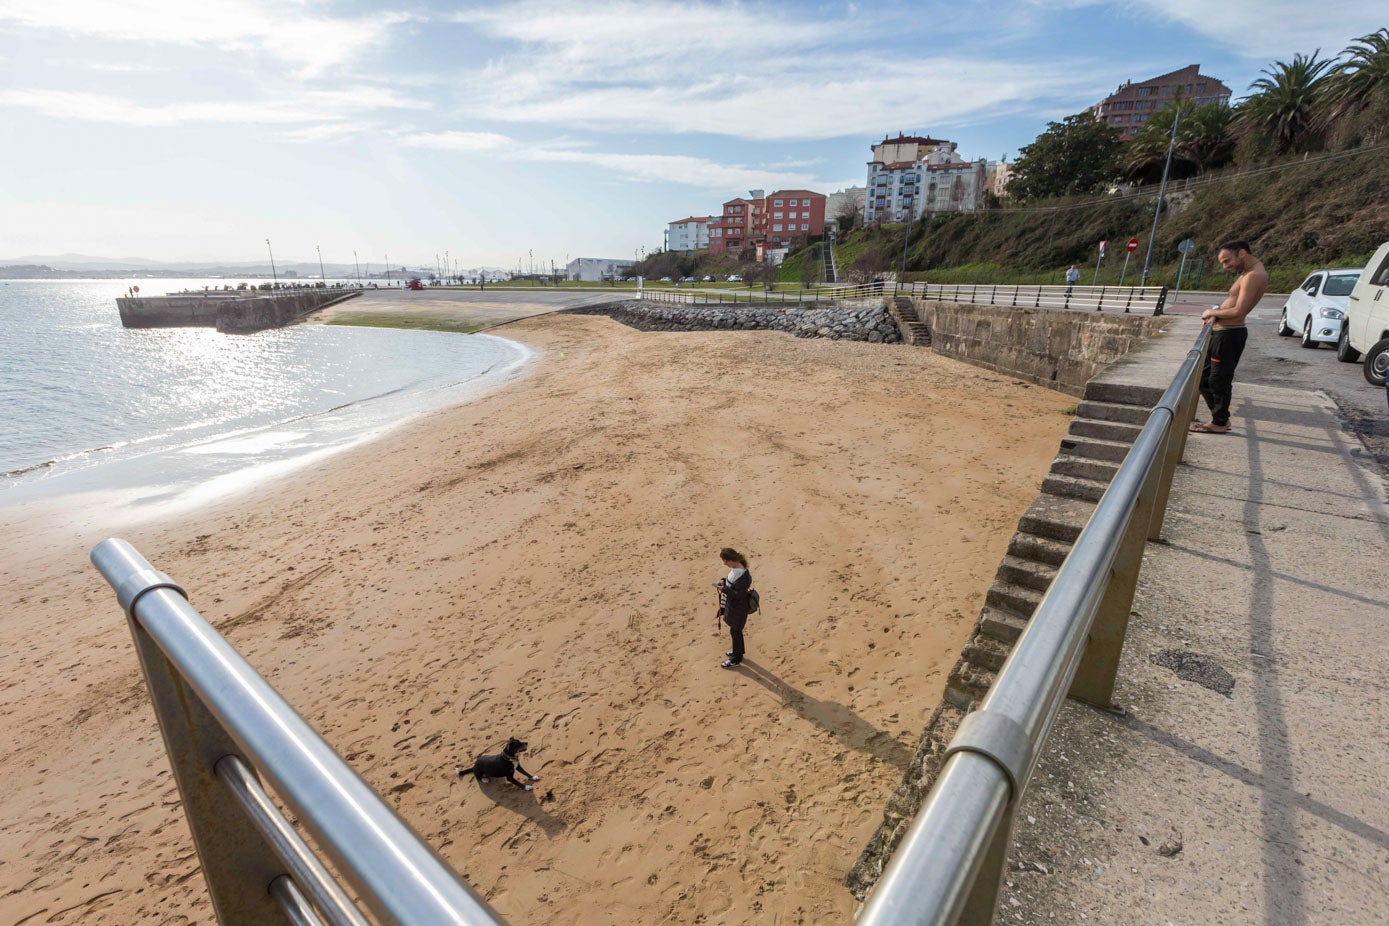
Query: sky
x,y
535,131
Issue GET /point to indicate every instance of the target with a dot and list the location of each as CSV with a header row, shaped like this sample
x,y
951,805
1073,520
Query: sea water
x,y
187,413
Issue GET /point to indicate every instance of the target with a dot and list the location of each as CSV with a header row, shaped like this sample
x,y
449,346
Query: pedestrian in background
x,y
1072,276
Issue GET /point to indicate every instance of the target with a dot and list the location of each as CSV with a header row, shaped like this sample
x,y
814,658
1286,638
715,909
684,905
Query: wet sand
x,y
537,563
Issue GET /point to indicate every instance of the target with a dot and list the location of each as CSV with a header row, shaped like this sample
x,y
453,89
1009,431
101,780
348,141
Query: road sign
x,y
1133,245
1186,246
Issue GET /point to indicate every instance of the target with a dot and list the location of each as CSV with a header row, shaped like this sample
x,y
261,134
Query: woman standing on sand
x,y
733,602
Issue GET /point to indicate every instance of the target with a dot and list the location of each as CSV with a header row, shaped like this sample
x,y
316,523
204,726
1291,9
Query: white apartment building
x,y
999,173
910,176
688,235
595,269
837,203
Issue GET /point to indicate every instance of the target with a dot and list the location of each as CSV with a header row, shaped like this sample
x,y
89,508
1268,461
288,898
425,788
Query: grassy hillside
x,y
1298,217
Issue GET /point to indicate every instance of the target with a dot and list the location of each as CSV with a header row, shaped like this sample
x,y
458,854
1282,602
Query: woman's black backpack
x,y
754,601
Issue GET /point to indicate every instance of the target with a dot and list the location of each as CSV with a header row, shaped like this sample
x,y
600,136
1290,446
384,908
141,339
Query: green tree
x,y
1204,141
1285,104
1079,155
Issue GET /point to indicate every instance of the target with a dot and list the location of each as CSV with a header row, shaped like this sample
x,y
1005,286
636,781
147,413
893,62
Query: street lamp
x,y
1176,118
320,262
273,272
358,266
388,271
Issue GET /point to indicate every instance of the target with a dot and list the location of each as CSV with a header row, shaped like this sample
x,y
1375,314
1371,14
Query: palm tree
x,y
1204,138
1285,102
1363,76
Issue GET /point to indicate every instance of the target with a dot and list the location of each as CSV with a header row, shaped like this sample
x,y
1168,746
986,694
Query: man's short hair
x,y
1234,247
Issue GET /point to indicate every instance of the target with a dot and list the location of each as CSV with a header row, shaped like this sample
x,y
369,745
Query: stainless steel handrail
x,y
949,866
1142,299
213,707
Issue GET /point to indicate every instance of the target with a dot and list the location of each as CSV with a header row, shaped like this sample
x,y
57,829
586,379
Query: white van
x,y
1365,334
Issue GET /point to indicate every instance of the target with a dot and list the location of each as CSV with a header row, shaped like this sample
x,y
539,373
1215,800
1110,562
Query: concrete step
x,y
1113,411
1105,430
1074,487
1056,518
1026,572
986,652
1003,626
1038,549
1084,467
1016,598
1095,448
967,684
1124,393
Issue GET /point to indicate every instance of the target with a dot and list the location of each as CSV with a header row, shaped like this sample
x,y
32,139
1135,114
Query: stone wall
x,y
226,312
1056,348
860,320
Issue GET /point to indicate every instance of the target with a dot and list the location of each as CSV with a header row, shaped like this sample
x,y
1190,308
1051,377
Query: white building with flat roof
x,y
596,269
688,235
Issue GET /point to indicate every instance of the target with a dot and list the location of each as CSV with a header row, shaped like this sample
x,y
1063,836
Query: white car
x,y
1317,308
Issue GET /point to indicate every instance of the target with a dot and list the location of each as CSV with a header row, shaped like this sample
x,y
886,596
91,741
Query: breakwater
x,y
230,312
857,320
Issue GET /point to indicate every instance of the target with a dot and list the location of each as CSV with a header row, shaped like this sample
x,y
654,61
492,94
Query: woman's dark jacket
x,y
735,597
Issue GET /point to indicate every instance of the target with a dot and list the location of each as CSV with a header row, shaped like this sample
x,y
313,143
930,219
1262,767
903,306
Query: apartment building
x,y
688,234
732,229
792,214
910,176
1133,104
842,201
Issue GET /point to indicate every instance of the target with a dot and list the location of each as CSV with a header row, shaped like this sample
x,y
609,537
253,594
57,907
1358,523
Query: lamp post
x,y
1162,190
388,271
320,262
273,272
358,266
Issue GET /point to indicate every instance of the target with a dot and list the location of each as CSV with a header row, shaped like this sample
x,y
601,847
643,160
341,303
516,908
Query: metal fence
x,y
1147,300
760,297
223,727
949,868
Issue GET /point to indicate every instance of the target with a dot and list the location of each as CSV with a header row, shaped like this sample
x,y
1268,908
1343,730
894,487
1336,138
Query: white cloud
x,y
305,107
687,170
310,42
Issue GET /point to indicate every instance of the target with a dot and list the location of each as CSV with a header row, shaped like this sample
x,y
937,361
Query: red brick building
x,y
1132,105
773,221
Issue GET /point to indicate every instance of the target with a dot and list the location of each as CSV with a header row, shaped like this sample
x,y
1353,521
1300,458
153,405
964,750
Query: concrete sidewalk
x,y
1245,783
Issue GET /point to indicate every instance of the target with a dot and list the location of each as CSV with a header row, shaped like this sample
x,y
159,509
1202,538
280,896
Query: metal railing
x,y
800,296
1140,299
222,725
949,868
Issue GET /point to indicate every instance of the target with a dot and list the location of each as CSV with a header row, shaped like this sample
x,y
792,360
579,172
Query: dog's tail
x,y
464,771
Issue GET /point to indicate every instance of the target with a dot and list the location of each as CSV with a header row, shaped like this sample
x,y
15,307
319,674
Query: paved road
x,y
1273,361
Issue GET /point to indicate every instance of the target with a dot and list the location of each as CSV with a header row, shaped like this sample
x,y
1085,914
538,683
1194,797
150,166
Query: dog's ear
x,y
521,745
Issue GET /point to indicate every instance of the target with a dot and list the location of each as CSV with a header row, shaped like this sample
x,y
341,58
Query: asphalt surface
x,y
1273,361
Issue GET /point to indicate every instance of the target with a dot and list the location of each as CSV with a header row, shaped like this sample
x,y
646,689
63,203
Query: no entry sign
x,y
1133,244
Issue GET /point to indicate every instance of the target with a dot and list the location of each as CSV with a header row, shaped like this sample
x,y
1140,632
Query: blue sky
x,y
178,130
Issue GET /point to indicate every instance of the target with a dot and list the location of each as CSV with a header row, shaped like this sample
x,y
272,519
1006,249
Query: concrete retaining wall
x,y
226,313
1051,347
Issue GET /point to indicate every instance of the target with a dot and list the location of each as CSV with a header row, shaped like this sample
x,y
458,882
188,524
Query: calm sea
x,y
181,412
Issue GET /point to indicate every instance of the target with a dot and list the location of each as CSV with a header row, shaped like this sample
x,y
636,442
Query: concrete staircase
x,y
831,271
914,330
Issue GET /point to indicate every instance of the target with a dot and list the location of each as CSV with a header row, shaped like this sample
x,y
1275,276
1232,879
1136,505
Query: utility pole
x,y
388,271
320,262
273,272
358,266
1162,189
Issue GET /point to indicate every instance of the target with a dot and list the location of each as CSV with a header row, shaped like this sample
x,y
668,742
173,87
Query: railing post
x,y
237,863
1099,665
1161,301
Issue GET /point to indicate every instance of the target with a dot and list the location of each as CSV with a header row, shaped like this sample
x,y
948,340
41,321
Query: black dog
x,y
501,766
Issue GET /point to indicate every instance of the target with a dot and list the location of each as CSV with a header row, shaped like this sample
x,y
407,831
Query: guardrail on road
x,y
1139,299
949,868
222,723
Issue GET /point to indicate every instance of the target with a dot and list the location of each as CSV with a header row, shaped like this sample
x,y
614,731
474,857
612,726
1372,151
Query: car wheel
x,y
1307,341
1283,329
1377,362
1344,352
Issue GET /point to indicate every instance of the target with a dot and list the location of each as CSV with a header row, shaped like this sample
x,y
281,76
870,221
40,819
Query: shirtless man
x,y
1229,334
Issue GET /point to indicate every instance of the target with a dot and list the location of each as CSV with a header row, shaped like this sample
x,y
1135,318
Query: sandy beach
x,y
536,563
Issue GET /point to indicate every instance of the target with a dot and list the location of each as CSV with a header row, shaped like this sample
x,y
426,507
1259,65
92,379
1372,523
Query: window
x,y
805,228
805,215
776,215
805,202
776,228
777,203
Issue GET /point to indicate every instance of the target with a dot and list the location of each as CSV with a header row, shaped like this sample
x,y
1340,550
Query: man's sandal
x,y
1207,427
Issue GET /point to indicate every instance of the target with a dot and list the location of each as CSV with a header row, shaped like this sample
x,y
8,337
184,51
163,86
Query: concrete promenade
x,y
1244,782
